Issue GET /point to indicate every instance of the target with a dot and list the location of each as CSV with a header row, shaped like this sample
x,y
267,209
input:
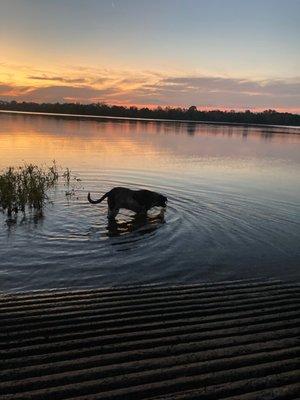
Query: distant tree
x,y
192,113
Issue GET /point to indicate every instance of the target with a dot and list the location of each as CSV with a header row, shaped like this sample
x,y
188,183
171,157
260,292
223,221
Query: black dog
x,y
139,201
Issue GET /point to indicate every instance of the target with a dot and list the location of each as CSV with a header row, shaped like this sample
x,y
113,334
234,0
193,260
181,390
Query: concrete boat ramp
x,y
235,340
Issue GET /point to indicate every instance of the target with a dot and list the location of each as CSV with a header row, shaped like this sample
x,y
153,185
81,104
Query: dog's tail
x,y
96,201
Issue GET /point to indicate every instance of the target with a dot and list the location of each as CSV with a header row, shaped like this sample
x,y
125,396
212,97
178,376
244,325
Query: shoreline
x,y
172,342
99,117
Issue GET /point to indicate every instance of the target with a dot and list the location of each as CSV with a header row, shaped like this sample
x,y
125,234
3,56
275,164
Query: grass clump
x,y
26,187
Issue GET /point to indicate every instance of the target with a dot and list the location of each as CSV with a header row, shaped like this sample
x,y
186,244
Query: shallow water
x,y
233,210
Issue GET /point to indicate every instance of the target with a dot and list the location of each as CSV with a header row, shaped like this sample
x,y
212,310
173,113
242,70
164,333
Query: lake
x,y
233,210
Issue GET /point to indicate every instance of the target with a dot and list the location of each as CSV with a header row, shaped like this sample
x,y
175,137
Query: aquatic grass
x,y
67,176
71,182
26,187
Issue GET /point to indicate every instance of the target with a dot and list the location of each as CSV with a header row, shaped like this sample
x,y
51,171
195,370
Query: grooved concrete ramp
x,y
232,340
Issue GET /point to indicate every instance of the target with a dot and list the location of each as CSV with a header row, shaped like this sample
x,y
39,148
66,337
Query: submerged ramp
x,y
233,340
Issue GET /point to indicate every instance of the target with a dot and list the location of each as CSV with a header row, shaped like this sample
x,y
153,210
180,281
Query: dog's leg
x,y
142,212
112,210
112,213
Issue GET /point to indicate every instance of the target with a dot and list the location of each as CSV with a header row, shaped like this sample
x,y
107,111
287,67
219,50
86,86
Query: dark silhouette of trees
x,y
269,117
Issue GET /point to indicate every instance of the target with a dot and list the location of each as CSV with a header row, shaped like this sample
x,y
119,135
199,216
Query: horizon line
x,y
89,116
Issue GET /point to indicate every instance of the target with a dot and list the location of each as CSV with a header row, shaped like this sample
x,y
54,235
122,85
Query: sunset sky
x,y
233,54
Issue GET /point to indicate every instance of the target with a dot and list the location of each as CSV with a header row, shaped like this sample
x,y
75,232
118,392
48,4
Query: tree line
x,y
270,117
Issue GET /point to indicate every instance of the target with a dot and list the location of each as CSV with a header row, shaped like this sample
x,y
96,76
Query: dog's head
x,y
161,201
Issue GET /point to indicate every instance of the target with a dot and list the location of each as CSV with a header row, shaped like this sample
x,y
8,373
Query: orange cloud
x,y
57,79
147,88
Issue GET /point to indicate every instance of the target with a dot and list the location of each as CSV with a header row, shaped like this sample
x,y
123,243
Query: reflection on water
x,y
233,209
140,224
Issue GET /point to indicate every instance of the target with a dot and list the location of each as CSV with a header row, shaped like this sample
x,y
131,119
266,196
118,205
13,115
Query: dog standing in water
x,y
139,201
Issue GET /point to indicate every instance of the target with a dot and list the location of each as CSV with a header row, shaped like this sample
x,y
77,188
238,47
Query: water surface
x,y
233,209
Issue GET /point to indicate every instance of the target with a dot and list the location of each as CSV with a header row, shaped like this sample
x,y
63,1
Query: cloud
x,y
57,79
227,85
69,93
220,92
5,88
99,81
55,93
154,89
8,90
211,83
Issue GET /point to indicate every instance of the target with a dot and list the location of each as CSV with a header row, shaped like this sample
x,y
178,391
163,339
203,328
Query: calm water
x,y
233,208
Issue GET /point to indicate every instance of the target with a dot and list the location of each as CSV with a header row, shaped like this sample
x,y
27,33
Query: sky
x,y
233,54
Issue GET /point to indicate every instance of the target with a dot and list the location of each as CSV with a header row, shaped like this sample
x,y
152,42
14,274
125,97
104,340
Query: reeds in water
x,y
26,187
